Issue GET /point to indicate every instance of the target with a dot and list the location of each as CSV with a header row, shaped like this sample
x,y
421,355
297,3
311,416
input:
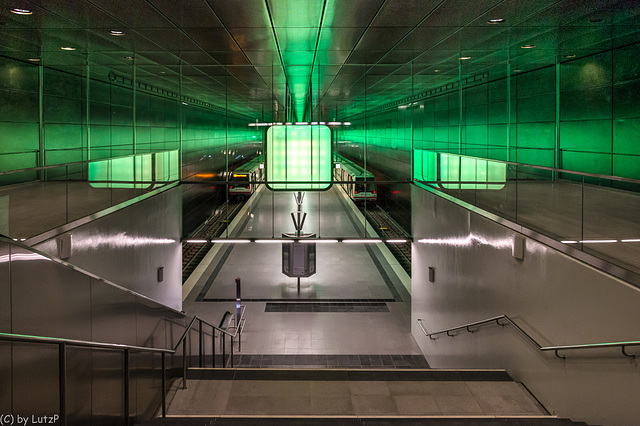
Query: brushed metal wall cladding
x,y
148,383
5,289
150,324
5,374
556,298
48,299
79,382
107,387
35,379
113,314
127,246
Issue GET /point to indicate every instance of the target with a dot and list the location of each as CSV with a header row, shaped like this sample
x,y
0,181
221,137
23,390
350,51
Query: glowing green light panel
x,y
301,154
453,171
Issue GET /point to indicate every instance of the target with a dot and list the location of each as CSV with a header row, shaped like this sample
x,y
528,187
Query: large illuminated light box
x,y
299,153
462,172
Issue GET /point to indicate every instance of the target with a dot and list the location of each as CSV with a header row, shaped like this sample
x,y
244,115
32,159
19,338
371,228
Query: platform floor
x,y
356,304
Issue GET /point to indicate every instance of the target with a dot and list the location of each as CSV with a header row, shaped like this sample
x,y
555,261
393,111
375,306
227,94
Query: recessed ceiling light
x,y
569,56
495,21
68,48
464,58
596,20
517,70
34,59
436,70
527,46
21,11
116,33
131,58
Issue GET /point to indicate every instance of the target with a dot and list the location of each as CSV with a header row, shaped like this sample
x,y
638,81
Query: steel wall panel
x,y
79,386
5,289
107,387
35,379
556,298
5,377
127,246
112,314
150,324
49,299
146,372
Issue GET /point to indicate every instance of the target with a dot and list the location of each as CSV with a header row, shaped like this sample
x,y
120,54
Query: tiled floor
x,y
328,361
354,305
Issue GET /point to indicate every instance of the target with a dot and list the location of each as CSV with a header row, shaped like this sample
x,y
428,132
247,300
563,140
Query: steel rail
x,y
554,348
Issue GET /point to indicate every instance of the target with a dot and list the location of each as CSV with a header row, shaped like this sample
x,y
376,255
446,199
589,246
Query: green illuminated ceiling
x,y
326,59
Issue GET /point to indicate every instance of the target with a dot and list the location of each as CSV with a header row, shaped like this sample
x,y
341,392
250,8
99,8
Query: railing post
x,y
231,351
200,343
164,385
126,387
62,370
224,349
184,363
213,347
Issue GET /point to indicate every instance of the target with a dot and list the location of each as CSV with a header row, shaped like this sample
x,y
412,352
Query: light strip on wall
x,y
196,241
361,241
222,241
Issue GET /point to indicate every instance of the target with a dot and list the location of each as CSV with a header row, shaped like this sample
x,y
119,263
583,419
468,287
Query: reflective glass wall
x,y
59,113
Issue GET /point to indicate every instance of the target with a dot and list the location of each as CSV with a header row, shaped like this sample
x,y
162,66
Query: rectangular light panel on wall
x,y
301,154
452,171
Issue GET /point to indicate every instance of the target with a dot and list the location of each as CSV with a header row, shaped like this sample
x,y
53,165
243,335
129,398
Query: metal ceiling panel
x,y
188,14
254,38
404,13
245,13
212,39
355,13
134,14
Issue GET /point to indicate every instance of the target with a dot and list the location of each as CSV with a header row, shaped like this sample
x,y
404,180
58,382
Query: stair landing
x,y
352,393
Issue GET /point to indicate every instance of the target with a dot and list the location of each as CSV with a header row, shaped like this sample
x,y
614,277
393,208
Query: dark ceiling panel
x,y
247,13
211,39
254,38
134,14
402,13
188,14
381,38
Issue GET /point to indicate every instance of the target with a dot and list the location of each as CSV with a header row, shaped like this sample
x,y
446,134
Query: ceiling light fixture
x,y
130,58
436,70
116,33
464,58
495,21
527,46
21,11
569,56
34,59
68,48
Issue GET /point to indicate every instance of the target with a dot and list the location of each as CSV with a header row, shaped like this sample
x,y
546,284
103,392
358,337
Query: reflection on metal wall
x,y
52,299
128,246
557,299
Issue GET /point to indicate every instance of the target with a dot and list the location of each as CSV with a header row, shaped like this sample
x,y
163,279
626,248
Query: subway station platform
x,y
356,304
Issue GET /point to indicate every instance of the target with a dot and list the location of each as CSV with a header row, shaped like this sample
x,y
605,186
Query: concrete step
x,y
350,394
353,421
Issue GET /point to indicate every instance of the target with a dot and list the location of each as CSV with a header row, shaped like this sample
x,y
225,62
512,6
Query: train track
x,y
388,228
192,254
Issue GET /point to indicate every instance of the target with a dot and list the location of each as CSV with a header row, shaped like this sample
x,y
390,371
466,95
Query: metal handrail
x,y
62,344
554,348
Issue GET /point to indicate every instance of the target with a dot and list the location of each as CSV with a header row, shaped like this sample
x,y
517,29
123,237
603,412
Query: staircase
x,y
353,397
